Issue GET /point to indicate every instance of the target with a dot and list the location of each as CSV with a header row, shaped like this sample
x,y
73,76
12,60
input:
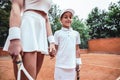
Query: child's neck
x,y
66,27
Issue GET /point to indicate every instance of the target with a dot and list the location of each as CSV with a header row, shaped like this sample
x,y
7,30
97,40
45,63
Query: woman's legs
x,y
29,61
32,62
40,58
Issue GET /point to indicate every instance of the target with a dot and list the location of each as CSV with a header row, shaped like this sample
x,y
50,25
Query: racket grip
x,y
19,58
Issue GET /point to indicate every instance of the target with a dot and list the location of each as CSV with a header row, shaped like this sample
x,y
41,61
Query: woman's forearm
x,y
49,31
48,27
15,15
15,21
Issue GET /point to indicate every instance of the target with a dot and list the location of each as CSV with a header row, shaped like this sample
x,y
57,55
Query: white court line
x,y
118,78
103,66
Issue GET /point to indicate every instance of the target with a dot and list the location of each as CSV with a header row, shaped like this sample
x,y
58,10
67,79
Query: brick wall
x,y
3,53
109,45
83,51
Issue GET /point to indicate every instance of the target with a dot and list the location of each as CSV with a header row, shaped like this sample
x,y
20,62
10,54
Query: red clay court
x,y
95,67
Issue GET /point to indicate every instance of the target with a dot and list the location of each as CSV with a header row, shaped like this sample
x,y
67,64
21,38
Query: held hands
x,y
52,50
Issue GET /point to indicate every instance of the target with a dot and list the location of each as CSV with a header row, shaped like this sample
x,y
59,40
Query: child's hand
x,y
77,68
52,50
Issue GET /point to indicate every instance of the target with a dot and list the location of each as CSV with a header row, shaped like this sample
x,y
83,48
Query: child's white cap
x,y
67,10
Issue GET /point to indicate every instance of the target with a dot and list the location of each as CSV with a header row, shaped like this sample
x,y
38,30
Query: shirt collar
x,y
66,29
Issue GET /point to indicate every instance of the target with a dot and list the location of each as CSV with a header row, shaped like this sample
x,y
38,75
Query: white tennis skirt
x,y
33,33
64,74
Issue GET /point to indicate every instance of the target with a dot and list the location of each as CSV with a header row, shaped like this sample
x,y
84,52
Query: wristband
x,y
14,33
51,39
78,61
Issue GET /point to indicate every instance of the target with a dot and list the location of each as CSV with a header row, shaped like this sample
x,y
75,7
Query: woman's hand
x,y
15,48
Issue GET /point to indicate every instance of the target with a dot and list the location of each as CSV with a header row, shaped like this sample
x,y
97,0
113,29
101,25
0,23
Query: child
x,y
28,34
67,43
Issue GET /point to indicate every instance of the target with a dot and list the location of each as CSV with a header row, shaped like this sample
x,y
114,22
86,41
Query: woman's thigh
x,y
29,61
40,58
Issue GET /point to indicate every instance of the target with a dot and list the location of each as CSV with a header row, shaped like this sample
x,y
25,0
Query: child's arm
x,y
78,59
77,51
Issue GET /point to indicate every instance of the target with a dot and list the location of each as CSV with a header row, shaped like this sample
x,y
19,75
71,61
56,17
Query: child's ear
x,y
60,20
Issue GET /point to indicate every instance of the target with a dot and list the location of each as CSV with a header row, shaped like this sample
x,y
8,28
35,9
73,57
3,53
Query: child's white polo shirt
x,y
66,39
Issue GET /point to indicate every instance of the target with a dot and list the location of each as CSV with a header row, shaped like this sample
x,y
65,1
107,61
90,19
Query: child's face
x,y
66,19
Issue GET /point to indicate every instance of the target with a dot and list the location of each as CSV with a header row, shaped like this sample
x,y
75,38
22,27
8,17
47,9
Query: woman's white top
x,y
66,39
42,5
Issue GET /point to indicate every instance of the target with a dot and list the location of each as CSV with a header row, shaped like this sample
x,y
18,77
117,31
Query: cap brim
x,y
67,10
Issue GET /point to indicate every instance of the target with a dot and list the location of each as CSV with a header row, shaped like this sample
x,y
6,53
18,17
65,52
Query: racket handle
x,y
19,58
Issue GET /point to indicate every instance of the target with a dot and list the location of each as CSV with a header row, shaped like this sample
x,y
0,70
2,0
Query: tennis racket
x,y
118,78
77,72
22,68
